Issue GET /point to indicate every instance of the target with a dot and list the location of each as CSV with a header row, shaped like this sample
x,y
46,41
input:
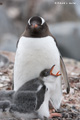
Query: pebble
x,y
1,85
1,73
71,115
75,74
78,85
69,119
78,118
71,90
65,115
3,78
75,88
11,66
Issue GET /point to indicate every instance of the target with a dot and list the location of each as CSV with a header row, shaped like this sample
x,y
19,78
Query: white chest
x,y
34,55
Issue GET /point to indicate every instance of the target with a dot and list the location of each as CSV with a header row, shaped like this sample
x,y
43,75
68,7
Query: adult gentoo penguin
x,y
37,50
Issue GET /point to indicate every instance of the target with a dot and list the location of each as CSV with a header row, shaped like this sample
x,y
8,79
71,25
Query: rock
x,y
7,31
10,55
1,73
71,91
8,42
68,38
1,85
6,74
4,62
77,7
78,85
6,24
13,12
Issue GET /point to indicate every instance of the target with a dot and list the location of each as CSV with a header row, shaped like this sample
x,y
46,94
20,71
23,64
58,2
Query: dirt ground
x,y
70,108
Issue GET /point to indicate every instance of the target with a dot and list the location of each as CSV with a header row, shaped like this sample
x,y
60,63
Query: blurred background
x,y
62,16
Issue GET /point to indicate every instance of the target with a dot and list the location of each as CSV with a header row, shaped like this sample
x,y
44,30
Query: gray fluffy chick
x,y
31,100
28,99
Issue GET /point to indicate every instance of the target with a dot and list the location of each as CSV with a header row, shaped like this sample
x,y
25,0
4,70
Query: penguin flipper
x,y
64,73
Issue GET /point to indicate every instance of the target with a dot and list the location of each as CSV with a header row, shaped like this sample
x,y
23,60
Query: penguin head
x,y
37,27
46,72
47,75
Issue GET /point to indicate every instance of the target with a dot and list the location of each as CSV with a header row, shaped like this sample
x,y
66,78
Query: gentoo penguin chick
x,y
36,51
6,95
6,98
4,105
32,99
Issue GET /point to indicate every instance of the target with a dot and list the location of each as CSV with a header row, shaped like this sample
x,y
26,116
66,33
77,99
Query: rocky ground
x,y
70,108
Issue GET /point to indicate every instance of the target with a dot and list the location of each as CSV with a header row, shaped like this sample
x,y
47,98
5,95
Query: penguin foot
x,y
55,115
57,74
51,110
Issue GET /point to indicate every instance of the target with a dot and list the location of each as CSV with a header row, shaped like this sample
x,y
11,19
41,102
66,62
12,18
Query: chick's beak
x,y
57,74
52,69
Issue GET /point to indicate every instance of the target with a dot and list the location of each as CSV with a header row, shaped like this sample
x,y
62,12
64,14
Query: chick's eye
x,y
46,73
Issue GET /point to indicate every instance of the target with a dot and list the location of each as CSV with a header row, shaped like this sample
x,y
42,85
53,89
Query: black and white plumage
x,y
31,100
6,95
28,99
37,50
6,98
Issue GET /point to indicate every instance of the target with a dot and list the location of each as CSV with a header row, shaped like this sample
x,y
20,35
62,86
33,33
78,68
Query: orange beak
x,y
52,69
34,25
57,74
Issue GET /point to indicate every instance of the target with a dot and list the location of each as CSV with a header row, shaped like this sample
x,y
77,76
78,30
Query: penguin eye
x,y
46,89
46,73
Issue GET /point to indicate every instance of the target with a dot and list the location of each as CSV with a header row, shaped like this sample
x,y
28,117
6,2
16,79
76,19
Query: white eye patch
x,y
29,21
43,21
